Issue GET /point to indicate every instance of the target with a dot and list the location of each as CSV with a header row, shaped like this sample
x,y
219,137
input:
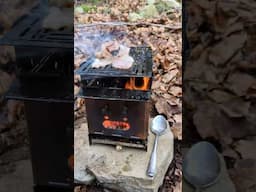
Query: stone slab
x,y
123,170
20,180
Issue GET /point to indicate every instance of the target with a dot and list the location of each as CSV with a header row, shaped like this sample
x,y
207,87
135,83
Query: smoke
x,y
88,39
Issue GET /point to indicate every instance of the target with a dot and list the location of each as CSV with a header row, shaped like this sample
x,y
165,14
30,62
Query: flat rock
x,y
19,180
123,170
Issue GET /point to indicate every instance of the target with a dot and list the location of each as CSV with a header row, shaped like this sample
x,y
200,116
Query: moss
x,y
88,8
164,6
126,168
149,11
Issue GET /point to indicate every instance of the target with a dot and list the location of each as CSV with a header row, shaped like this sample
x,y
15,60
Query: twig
x,y
177,27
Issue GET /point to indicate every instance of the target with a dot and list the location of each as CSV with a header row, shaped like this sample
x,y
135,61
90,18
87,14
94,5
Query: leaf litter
x,y
219,80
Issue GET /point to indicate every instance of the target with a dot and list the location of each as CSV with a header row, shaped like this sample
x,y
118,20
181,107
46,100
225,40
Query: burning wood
x,y
112,53
132,84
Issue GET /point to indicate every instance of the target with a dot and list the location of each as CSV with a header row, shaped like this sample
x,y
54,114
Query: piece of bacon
x,y
121,60
124,62
101,63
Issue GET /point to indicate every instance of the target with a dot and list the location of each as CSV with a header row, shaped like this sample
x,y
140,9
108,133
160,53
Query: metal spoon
x,y
202,166
159,125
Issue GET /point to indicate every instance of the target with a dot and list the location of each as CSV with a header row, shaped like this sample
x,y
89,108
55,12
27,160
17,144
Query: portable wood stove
x,y
45,84
117,101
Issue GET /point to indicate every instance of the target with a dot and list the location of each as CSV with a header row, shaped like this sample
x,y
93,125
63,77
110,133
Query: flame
x,y
108,124
71,162
131,84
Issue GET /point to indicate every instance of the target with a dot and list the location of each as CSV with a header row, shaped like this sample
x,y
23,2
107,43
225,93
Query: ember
x,y
108,124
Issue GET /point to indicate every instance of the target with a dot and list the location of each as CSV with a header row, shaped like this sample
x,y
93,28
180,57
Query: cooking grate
x,y
28,31
142,66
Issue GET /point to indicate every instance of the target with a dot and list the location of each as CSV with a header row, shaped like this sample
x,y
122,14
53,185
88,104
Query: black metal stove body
x,y
117,101
45,83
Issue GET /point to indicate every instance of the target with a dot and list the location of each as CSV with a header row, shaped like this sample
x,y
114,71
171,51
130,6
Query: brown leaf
x,y
223,51
169,76
230,153
5,82
175,91
247,148
211,122
236,107
156,84
220,96
76,90
14,110
164,107
239,83
178,118
7,54
3,122
206,4
177,130
244,175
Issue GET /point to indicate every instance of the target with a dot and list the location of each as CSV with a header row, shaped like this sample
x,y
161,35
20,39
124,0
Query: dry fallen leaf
x,y
243,175
5,82
239,83
177,130
219,54
7,54
175,91
219,80
14,110
246,148
210,121
236,107
220,96
169,76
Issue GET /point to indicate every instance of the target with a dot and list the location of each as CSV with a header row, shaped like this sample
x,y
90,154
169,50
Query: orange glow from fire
x,y
108,124
71,162
131,84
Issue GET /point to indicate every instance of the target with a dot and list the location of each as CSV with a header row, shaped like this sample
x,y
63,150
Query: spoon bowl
x,y
159,125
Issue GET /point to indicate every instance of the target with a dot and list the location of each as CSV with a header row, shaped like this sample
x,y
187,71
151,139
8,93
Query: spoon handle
x,y
152,163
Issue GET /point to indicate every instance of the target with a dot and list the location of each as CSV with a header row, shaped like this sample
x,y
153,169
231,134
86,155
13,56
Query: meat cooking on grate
x,y
112,53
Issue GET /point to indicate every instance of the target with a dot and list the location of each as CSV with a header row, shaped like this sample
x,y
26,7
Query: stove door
x,y
124,119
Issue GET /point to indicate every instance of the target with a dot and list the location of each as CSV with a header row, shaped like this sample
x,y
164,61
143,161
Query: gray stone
x,y
81,176
20,180
123,170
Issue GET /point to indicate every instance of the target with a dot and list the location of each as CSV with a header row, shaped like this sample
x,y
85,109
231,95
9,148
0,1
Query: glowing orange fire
x,y
131,84
108,124
71,162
